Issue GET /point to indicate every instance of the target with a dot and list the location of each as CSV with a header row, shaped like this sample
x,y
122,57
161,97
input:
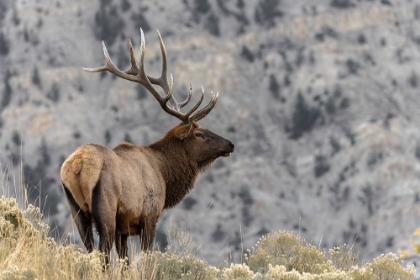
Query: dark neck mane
x,y
179,174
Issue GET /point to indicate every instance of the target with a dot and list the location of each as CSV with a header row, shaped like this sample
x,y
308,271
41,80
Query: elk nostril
x,y
231,145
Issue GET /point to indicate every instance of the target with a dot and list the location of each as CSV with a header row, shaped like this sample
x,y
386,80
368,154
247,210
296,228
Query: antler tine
x,y
182,104
134,70
164,57
204,111
142,51
104,67
162,80
187,114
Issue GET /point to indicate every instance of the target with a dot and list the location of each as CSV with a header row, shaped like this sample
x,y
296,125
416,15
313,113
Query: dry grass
x,y
27,252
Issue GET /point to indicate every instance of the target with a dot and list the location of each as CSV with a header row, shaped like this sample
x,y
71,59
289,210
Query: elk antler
x,y
137,74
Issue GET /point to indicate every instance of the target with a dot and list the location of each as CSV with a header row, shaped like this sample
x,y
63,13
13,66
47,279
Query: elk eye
x,y
198,134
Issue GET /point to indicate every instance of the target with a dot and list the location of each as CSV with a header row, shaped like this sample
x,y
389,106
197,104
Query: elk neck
x,y
178,171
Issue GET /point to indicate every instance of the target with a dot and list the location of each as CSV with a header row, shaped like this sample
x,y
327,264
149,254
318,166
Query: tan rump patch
x,y
80,172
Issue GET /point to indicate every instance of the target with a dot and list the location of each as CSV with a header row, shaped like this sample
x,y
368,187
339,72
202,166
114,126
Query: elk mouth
x,y
226,154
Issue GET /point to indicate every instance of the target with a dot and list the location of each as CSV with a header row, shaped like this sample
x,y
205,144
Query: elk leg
x,y
82,220
147,235
106,238
88,236
121,246
104,212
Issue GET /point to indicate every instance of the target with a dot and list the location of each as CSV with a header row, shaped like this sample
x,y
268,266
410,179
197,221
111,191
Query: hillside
x,y
319,97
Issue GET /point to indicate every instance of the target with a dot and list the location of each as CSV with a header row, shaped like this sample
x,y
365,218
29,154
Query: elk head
x,y
201,145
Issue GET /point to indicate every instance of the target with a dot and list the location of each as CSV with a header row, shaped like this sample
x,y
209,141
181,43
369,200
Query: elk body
x,y
123,191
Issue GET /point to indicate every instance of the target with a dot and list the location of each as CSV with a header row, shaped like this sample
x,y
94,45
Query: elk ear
x,y
183,131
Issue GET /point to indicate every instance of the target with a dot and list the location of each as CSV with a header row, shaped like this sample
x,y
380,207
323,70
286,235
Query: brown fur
x,y
123,191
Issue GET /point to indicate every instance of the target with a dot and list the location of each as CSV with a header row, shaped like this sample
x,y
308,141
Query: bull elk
x,y
123,191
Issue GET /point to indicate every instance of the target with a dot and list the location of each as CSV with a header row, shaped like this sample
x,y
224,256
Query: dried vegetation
x,y
26,252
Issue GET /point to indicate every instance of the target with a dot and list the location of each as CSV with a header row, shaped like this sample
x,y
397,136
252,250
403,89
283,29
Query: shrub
x,y
247,54
266,12
284,255
168,266
361,39
140,21
189,202
7,92
236,241
141,91
237,272
342,4
353,66
389,266
212,24
201,6
16,138
122,58
321,166
218,234
3,10
274,87
330,105
240,4
343,257
413,79
13,223
36,79
246,196
351,136
125,5
15,17
54,93
344,103
4,45
304,117
284,248
178,262
107,136
367,198
108,24
76,135
335,145
127,138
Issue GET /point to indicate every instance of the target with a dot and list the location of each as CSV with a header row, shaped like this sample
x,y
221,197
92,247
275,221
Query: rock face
x,y
321,99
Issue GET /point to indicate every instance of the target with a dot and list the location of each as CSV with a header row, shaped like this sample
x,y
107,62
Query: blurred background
x,y
321,99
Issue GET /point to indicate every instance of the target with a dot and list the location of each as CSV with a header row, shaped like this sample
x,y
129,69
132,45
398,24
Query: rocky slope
x,y
320,98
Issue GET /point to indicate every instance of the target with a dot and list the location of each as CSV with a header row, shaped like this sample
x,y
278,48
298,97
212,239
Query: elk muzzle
x,y
230,148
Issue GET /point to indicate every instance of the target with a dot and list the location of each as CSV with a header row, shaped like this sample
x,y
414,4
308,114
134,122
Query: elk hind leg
x,y
103,212
82,220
